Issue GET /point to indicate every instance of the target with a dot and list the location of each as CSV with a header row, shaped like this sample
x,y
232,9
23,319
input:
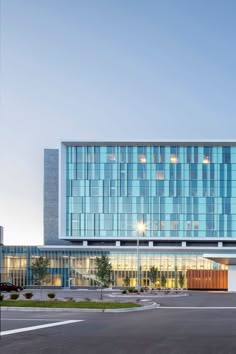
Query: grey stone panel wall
x,y
51,198
1,235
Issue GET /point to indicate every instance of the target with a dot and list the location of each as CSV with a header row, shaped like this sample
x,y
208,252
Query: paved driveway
x,y
209,326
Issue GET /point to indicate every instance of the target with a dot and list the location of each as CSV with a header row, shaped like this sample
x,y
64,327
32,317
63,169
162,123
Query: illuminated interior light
x,y
206,160
142,159
173,159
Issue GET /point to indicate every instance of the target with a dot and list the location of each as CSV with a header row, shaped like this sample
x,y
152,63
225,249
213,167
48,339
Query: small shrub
x,y
142,290
1,297
51,295
131,290
14,296
135,291
124,292
28,295
69,299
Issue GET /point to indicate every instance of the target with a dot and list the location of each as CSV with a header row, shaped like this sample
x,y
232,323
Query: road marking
x,y
31,319
33,328
197,308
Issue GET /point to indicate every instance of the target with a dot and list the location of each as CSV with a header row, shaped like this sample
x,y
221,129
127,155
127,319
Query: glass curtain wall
x,y
78,267
186,191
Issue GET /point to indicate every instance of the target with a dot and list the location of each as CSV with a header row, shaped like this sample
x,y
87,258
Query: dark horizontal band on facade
x,y
148,243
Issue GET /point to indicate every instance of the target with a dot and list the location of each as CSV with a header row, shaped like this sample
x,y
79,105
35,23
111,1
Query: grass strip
x,y
68,304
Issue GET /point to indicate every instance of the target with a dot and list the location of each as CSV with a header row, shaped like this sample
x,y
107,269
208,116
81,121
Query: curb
x,y
47,309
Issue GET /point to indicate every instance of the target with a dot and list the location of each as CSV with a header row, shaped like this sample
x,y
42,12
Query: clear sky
x,y
106,70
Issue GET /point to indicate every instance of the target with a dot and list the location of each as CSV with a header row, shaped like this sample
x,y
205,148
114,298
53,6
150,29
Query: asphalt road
x,y
153,332
165,330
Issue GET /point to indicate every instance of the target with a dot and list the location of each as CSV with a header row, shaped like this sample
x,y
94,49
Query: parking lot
x,y
198,323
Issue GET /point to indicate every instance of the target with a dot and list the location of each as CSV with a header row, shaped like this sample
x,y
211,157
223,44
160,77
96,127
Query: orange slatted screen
x,y
207,279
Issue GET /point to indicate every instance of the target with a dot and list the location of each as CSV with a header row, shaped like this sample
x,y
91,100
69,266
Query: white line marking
x,y
31,319
197,308
33,328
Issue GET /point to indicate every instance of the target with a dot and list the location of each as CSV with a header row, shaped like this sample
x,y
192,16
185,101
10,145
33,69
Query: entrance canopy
x,y
226,259
230,261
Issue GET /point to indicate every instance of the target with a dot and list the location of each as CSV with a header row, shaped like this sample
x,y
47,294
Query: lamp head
x,y
141,227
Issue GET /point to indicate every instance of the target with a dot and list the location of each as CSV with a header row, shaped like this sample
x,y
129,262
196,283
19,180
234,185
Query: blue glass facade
x,y
177,191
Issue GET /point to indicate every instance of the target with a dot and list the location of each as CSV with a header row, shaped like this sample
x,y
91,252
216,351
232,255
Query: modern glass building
x,y
97,194
177,191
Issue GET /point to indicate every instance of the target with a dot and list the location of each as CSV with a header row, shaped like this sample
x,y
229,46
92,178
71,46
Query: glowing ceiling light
x,y
173,159
206,159
142,158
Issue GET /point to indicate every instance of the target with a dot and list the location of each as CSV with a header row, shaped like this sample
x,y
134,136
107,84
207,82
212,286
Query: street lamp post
x,y
141,228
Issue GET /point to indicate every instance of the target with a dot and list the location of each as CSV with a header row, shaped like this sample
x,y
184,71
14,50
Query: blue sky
x,y
106,70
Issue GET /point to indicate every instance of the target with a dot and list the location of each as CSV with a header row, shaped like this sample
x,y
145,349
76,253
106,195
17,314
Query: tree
x,y
153,274
103,271
127,281
181,280
163,281
39,268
